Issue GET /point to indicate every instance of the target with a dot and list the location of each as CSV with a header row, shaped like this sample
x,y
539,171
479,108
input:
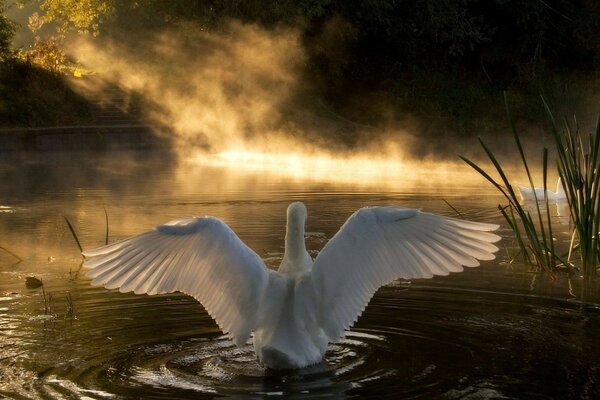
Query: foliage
x,y
497,44
7,30
513,36
533,232
578,166
84,16
32,96
47,54
579,169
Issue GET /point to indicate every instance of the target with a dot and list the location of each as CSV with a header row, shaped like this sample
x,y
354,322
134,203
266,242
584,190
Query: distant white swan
x,y
527,193
296,311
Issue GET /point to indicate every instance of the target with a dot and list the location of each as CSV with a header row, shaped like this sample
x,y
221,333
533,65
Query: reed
x,y
458,213
533,230
19,259
47,301
70,306
579,169
106,236
74,234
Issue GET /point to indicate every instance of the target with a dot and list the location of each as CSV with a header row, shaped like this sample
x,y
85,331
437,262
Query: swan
x,y
527,193
294,312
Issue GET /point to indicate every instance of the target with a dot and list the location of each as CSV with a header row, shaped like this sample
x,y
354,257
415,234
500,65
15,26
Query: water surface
x,y
497,331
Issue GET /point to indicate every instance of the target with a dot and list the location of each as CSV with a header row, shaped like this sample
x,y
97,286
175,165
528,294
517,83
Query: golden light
x,y
357,170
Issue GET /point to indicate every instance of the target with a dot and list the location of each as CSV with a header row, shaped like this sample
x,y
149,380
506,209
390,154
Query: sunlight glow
x,y
318,167
360,170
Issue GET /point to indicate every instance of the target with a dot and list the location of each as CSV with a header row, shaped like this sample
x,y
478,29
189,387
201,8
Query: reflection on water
x,y
358,170
496,331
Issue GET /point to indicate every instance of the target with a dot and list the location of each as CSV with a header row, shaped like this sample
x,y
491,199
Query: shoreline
x,y
83,137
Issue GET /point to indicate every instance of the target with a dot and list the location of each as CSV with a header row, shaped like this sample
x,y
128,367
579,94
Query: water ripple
x,y
210,365
416,341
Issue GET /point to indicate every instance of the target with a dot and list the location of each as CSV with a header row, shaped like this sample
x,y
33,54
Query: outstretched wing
x,y
378,245
201,257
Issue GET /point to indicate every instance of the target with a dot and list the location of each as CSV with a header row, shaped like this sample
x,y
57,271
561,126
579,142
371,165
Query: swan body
x,y
528,193
294,312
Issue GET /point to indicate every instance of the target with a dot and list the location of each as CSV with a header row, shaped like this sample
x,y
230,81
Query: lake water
x,y
498,331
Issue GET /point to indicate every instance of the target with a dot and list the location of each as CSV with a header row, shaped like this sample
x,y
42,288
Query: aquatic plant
x,y
106,236
533,233
74,234
47,301
19,259
458,213
70,305
579,168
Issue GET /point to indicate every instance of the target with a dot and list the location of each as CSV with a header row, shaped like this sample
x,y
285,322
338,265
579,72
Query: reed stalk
x,y
458,213
12,254
70,305
106,236
74,235
579,168
47,301
533,231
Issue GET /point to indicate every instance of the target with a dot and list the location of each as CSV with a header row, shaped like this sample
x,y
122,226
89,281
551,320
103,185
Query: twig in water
x,y
47,301
74,235
76,272
13,356
70,306
106,215
454,209
11,253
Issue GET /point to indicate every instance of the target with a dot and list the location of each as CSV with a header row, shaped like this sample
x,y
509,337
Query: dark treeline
x,y
32,93
354,45
446,58
441,54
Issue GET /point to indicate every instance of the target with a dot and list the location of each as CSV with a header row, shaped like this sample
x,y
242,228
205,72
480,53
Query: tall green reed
x,y
533,231
579,169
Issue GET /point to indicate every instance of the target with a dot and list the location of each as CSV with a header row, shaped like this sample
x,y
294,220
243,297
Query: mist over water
x,y
213,90
235,91
242,93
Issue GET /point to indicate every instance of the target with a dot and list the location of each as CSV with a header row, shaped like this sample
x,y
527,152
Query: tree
x,y
84,16
7,30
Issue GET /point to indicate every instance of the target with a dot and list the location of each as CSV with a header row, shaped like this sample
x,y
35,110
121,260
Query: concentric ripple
x,y
413,341
214,365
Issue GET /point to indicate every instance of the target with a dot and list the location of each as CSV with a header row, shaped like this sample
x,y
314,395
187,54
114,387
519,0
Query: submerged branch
x,y
11,253
74,235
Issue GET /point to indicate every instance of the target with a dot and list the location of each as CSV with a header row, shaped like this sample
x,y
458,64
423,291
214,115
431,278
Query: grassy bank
x,y
31,96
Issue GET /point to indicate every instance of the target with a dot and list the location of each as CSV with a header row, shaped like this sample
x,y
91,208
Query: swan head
x,y
296,215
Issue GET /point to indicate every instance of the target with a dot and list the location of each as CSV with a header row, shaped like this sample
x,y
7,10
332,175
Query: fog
x,y
241,94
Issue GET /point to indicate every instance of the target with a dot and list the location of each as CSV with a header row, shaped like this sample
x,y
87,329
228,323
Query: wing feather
x,y
199,256
378,245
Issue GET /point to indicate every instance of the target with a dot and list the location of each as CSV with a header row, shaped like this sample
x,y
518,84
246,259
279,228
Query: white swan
x,y
296,311
527,193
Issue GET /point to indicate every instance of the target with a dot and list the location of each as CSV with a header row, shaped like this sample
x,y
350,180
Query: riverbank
x,y
94,137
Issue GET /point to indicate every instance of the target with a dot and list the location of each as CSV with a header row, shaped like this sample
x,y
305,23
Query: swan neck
x,y
294,240
295,258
